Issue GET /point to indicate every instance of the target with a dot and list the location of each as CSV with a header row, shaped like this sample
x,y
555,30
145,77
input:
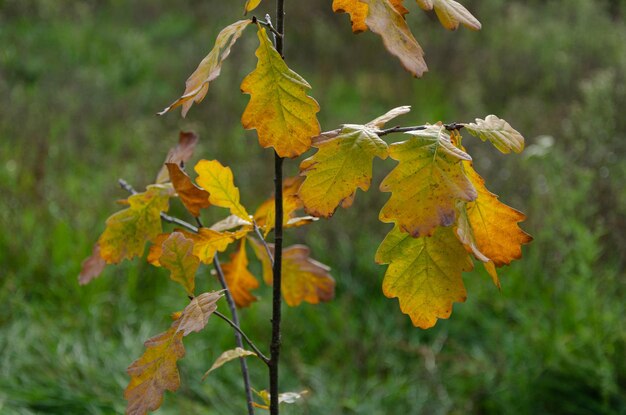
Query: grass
x,y
83,82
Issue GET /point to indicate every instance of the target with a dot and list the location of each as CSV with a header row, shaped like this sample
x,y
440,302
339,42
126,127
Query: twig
x,y
267,23
243,335
450,127
263,241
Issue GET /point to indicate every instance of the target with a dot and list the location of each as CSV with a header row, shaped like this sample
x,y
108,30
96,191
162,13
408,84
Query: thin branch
x,y
267,23
243,335
263,242
450,127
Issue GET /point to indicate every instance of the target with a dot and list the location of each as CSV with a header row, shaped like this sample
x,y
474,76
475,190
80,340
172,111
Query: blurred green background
x,y
81,82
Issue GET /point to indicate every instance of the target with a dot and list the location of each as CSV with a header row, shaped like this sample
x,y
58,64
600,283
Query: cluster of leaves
x,y
441,210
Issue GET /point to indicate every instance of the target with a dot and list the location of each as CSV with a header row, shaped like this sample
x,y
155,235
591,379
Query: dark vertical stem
x,y
238,340
278,240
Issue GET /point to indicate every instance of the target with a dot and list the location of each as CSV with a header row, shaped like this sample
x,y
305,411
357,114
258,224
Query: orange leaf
x,y
155,371
424,273
197,85
239,279
358,11
279,107
494,224
178,257
193,197
265,214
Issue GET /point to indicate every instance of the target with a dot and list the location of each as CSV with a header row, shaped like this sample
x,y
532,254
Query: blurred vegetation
x,y
81,81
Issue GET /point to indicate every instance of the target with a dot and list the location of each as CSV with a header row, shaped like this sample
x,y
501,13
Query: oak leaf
x,y
266,213
238,278
197,85
230,222
341,165
193,197
179,154
494,224
504,137
128,230
219,182
385,20
303,278
426,183
451,14
279,107
179,259
226,357
424,273
92,266
358,11
155,371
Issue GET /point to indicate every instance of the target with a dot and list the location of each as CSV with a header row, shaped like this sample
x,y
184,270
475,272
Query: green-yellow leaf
x,y
342,164
451,14
219,182
178,257
128,230
385,20
426,183
279,108
238,278
504,137
424,273
197,85
226,357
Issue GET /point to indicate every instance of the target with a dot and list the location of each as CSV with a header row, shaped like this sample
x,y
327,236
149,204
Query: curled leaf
x,y
451,14
193,197
92,266
504,137
226,357
197,85
179,154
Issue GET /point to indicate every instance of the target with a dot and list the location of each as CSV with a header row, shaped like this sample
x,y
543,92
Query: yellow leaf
x,y
358,11
155,371
427,182
385,20
179,154
251,5
193,197
265,214
504,137
494,224
424,273
239,279
92,266
128,230
226,357
178,257
451,13
219,182
303,278
197,85
342,164
279,108
208,242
